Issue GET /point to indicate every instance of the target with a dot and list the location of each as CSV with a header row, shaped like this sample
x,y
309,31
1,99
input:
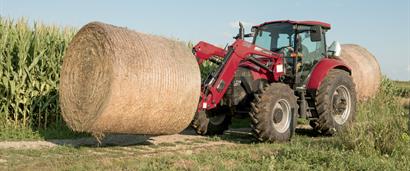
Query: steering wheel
x,y
284,49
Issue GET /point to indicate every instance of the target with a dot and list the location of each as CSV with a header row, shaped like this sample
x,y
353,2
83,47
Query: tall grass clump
x,y
30,60
380,126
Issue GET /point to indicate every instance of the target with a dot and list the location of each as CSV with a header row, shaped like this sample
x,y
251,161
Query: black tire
x,y
335,102
213,122
273,113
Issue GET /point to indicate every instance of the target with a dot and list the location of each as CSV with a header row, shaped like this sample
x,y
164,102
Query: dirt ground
x,y
183,138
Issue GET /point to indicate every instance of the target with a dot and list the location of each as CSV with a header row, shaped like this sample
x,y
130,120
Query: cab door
x,y
312,51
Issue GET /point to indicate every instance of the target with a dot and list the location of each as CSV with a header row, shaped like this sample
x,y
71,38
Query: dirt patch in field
x,y
26,144
187,137
185,140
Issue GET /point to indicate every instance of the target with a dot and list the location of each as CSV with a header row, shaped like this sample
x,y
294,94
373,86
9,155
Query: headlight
x,y
279,68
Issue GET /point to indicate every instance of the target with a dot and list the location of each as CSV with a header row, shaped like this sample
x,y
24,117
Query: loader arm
x,y
217,83
205,51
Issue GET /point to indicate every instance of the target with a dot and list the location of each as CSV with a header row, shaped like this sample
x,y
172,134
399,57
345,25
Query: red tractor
x,y
284,73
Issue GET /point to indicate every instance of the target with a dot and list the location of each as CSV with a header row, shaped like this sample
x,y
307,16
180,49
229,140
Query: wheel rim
x,y
281,116
341,102
217,119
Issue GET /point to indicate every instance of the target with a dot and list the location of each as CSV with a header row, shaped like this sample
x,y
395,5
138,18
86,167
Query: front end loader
x,y
286,72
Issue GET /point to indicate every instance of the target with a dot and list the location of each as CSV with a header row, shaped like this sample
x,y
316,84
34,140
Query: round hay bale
x,y
115,80
365,70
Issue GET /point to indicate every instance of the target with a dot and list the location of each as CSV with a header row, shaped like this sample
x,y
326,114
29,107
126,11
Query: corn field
x,y
30,60
403,88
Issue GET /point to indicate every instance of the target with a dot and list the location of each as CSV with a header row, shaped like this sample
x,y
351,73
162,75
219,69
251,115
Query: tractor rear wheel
x,y
273,113
335,102
213,122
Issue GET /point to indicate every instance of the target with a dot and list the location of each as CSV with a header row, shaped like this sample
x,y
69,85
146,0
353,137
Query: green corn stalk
x,y
30,63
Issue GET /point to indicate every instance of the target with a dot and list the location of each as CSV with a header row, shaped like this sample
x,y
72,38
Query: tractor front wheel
x,y
273,113
213,122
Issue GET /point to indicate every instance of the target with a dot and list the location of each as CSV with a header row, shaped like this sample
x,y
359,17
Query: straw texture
x,y
115,80
365,70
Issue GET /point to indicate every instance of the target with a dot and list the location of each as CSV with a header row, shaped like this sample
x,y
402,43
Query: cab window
x,y
274,36
312,51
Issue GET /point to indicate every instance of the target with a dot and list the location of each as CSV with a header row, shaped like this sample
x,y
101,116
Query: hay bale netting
x,y
115,80
365,70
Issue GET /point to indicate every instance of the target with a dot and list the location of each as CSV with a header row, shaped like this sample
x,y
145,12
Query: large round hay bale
x,y
365,70
115,80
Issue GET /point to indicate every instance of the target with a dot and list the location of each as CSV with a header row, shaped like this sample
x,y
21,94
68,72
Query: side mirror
x,y
334,49
253,29
316,34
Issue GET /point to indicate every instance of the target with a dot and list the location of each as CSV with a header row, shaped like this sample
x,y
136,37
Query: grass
x,y
381,125
302,153
240,122
9,133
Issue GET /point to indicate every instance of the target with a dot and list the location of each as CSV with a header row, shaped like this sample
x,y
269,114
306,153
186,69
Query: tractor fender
x,y
321,70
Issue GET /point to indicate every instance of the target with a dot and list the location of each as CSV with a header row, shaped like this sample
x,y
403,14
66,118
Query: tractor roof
x,y
309,23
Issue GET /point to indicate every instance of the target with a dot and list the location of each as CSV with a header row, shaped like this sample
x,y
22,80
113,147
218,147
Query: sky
x,y
383,27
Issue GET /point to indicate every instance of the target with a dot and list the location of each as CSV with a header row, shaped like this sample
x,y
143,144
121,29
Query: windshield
x,y
274,36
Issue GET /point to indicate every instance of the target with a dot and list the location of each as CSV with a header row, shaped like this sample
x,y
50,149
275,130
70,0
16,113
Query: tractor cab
x,y
302,44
